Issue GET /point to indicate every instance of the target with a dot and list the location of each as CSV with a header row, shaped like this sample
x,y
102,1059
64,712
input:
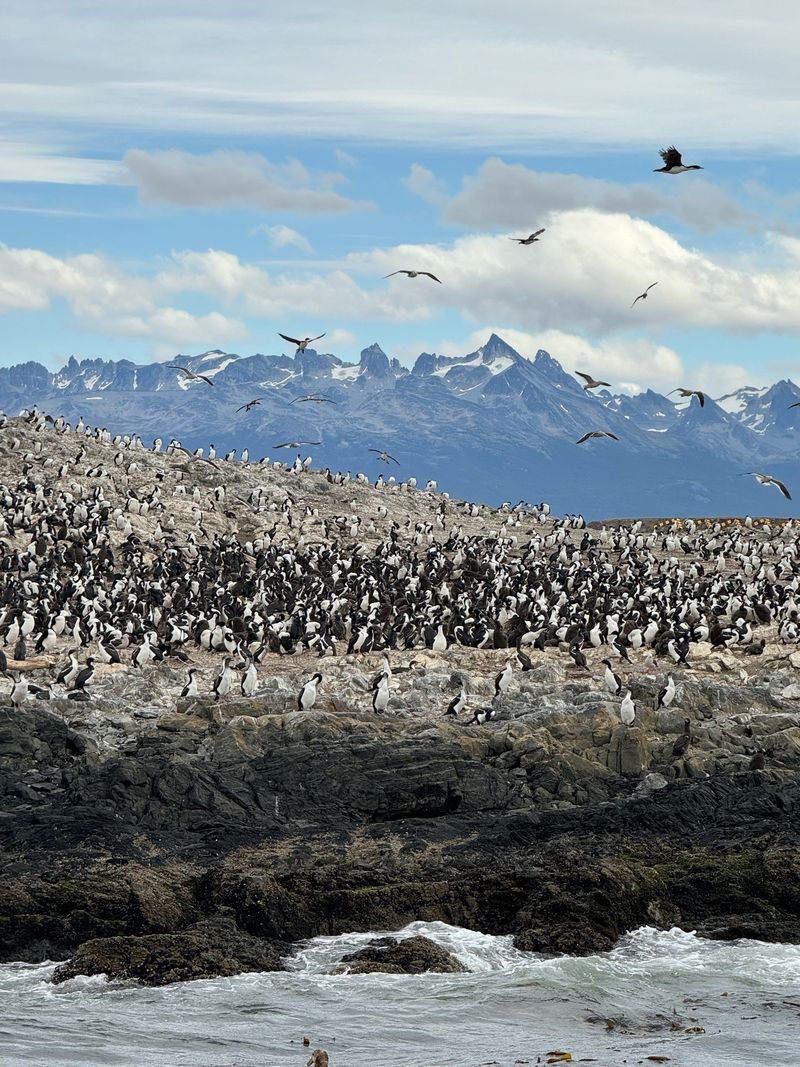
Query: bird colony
x,y
120,560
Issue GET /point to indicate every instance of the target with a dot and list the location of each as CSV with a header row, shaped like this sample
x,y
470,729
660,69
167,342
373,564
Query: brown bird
x,y
758,762
597,433
643,296
591,383
250,404
414,274
190,374
767,479
303,344
527,240
690,392
682,742
319,1058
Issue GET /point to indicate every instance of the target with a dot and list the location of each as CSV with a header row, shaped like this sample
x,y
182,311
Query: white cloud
x,y
426,185
104,299
345,159
586,271
285,237
510,194
717,379
517,74
30,162
233,180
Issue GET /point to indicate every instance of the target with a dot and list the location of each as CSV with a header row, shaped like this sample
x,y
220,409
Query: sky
x,y
178,176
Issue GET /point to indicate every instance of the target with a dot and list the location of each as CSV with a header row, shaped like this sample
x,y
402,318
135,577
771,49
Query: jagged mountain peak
x,y
488,423
375,363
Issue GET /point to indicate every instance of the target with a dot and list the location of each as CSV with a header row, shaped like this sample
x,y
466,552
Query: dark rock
x,y
210,948
412,955
539,826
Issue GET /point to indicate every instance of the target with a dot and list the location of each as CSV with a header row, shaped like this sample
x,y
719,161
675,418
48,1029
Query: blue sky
x,y
180,176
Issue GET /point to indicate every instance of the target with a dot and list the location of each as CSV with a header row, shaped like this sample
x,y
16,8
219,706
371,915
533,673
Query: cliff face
x,y
209,838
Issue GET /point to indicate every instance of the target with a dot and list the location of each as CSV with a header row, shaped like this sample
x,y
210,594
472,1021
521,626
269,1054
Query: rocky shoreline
x,y
205,839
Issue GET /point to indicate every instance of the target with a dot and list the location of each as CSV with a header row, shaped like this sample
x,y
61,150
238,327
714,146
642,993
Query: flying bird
x,y
795,405
414,274
296,444
590,381
690,392
643,296
597,433
384,456
673,164
250,404
303,344
313,399
767,479
527,240
190,374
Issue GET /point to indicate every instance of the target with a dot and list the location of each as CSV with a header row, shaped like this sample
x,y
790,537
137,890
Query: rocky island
x,y
158,836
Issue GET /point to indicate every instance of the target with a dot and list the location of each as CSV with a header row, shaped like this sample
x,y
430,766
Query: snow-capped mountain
x,y
490,424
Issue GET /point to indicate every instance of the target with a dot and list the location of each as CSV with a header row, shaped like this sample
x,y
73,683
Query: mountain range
x,y
491,425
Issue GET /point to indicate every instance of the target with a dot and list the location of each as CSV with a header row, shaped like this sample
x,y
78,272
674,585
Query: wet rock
x,y
207,950
412,955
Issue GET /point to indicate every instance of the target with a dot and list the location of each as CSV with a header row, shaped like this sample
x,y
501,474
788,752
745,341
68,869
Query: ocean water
x,y
657,993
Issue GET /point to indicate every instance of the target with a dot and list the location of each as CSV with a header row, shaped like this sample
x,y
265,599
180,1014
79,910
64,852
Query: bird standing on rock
x,y
481,716
457,704
503,680
19,691
611,680
682,742
307,696
666,694
578,657
380,694
627,709
223,681
191,688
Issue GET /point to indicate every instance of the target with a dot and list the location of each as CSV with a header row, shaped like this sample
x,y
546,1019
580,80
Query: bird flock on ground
x,y
95,568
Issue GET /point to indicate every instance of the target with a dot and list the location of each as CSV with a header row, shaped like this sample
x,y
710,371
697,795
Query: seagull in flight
x,y
303,344
383,455
643,296
414,274
313,399
250,404
527,240
590,381
673,164
597,433
767,479
690,392
296,444
190,374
